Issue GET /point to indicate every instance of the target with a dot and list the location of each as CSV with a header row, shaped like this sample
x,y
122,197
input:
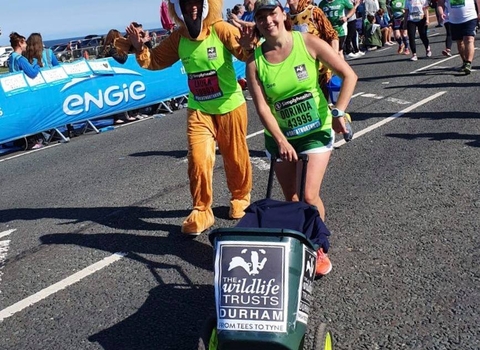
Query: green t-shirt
x,y
211,76
334,10
397,7
293,94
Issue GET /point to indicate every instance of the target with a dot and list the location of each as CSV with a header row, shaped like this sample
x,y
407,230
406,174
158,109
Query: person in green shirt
x,y
399,32
338,12
282,79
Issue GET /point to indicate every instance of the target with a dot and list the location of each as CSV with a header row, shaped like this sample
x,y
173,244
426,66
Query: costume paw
x,y
238,206
197,222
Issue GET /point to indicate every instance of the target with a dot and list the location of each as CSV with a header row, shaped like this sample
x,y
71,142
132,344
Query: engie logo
x,y
111,96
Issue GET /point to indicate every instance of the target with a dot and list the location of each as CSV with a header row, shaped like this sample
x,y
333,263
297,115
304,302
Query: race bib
x,y
416,16
204,85
457,3
298,114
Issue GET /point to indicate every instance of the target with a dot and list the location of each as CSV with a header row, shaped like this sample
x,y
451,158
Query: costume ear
x,y
178,10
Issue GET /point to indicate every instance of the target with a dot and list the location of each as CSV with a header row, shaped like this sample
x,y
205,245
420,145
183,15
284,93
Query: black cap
x,y
265,5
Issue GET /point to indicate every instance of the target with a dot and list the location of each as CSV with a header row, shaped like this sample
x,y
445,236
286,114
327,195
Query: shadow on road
x,y
194,252
171,317
473,140
173,314
125,218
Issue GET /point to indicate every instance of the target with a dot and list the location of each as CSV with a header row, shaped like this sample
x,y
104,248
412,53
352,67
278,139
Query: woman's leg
x,y
422,32
411,29
289,177
316,168
448,36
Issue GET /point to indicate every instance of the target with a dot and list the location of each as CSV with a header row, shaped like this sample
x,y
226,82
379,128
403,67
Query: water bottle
x,y
158,115
348,136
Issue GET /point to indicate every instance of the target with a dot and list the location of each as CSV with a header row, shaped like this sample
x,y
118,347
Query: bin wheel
x,y
323,338
209,337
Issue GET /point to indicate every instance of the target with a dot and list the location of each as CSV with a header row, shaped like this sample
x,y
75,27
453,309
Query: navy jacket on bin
x,y
298,216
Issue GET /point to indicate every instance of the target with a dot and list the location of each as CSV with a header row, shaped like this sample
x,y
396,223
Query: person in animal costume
x,y
217,111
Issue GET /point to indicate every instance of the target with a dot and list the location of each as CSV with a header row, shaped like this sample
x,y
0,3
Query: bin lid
x,y
271,232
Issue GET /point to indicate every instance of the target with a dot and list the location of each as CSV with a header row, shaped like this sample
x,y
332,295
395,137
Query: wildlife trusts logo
x,y
254,266
301,72
251,286
212,53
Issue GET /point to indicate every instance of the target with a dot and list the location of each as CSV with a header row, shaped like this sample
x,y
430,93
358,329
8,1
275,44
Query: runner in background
x,y
416,17
399,31
338,12
463,18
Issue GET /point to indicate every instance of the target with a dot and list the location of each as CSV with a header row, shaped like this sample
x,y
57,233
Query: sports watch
x,y
337,113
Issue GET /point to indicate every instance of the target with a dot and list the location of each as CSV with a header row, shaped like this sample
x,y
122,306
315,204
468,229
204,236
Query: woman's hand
x,y
247,39
286,152
338,125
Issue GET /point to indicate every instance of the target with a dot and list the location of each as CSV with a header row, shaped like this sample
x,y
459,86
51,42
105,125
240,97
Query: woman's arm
x,y
30,70
241,22
323,52
426,14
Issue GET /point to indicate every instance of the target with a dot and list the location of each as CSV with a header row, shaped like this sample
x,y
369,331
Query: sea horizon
x,y
51,42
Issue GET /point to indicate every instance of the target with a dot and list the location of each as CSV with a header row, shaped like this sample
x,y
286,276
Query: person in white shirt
x,y
463,18
416,17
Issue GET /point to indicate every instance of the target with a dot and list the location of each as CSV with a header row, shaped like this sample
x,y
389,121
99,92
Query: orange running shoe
x,y
324,265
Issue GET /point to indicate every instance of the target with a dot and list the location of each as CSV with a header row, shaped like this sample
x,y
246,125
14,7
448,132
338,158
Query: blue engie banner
x,y
84,90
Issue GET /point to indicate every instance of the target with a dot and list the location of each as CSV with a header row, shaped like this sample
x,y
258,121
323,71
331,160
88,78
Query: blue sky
x,y
63,19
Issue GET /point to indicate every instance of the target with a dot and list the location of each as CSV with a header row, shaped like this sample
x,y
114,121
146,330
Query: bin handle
x,y
273,160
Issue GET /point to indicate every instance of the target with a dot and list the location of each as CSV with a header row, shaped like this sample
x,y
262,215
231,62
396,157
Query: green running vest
x,y
293,93
211,76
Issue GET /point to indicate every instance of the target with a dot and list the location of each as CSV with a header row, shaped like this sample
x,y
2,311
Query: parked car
x,y
62,53
4,49
4,59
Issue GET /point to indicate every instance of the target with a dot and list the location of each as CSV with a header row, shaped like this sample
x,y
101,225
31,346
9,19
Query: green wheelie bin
x,y
263,291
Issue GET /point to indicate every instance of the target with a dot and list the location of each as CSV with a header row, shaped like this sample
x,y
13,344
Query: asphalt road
x,y
402,199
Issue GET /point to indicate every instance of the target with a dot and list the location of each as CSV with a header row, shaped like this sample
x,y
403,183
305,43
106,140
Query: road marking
x,y
44,293
4,249
260,163
434,64
30,151
6,233
391,118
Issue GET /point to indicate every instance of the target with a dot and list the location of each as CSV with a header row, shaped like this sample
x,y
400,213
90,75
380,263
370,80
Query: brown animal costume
x,y
217,111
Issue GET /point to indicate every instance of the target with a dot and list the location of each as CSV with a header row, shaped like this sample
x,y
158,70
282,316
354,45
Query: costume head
x,y
207,12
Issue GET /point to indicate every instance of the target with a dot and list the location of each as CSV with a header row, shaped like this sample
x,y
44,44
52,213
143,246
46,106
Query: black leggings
x,y
351,39
422,31
448,36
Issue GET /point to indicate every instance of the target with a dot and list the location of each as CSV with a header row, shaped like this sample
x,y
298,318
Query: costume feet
x,y
198,221
238,206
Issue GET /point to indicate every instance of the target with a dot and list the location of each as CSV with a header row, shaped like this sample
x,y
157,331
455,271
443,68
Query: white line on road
x,y
4,249
434,64
6,233
44,293
391,118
